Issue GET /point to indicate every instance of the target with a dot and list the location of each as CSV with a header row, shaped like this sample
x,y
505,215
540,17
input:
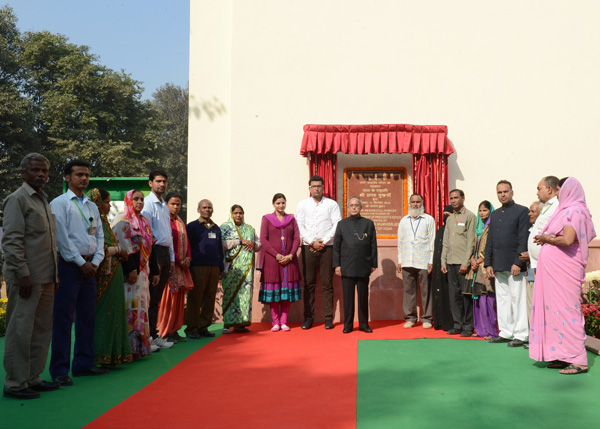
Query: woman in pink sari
x,y
557,332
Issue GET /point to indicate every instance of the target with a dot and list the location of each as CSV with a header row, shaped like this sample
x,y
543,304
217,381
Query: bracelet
x,y
551,241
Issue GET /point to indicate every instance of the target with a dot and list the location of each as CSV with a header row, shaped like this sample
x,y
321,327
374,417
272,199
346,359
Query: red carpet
x,y
295,379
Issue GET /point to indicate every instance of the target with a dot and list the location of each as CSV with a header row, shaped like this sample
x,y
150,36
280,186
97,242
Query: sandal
x,y
557,364
576,370
226,331
487,337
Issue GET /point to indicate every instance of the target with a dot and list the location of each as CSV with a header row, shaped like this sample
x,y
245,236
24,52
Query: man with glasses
x,y
317,218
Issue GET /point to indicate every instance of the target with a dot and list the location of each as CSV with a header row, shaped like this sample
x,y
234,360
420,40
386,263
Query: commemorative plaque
x,y
383,194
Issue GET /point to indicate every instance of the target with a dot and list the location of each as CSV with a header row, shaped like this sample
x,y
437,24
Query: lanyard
x,y
89,222
463,217
414,231
546,209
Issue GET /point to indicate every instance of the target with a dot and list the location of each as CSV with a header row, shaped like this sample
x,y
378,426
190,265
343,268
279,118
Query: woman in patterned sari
x,y
172,304
111,340
240,244
135,236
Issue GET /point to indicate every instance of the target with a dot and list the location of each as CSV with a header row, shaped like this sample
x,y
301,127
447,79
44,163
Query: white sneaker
x,y
427,325
409,325
285,327
160,342
275,328
154,348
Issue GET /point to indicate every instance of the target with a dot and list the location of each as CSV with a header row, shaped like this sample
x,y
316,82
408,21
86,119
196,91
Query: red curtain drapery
x,y
429,145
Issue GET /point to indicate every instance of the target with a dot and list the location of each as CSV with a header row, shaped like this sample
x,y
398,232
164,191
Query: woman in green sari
x,y
240,244
111,335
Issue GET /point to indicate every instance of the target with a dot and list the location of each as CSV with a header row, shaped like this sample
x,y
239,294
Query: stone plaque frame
x,y
377,170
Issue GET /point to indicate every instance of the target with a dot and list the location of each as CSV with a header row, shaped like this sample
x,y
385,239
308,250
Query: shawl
x,y
572,210
139,233
272,217
480,226
180,278
108,267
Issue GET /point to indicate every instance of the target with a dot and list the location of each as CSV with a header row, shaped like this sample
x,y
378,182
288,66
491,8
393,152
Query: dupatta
x,y
108,267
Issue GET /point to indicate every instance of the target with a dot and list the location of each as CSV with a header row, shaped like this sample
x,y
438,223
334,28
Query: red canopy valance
x,y
387,138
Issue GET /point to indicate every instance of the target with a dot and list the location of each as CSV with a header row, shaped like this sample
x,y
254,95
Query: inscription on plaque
x,y
383,193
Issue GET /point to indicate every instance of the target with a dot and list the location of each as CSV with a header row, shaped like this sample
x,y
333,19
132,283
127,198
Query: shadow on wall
x,y
386,294
210,108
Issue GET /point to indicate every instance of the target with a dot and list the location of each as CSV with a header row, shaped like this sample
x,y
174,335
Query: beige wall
x,y
515,82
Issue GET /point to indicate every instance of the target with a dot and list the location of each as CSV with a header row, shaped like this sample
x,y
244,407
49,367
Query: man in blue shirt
x,y
156,211
80,244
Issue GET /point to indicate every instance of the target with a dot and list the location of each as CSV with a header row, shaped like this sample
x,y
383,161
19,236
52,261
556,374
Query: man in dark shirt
x,y
507,239
207,268
354,259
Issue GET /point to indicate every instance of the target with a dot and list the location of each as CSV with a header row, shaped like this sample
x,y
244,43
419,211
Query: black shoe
x,y
307,324
194,335
91,371
177,337
347,331
328,324
499,339
206,333
516,343
526,346
63,380
26,393
46,386
367,330
171,339
454,331
466,334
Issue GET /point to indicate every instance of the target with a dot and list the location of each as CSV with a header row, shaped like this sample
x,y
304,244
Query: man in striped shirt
x,y
416,235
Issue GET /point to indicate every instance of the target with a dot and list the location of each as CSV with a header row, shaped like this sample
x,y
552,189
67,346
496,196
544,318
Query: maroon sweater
x,y
270,239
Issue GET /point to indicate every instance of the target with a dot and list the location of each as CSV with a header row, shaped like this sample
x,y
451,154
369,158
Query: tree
x,y
171,104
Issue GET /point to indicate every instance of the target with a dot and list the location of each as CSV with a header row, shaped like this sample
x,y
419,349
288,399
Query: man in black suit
x,y
354,259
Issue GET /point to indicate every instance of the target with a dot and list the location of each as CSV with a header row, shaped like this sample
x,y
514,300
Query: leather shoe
x,y
516,343
328,324
347,331
454,331
307,324
466,334
206,333
367,330
499,339
63,380
193,335
46,386
26,393
92,371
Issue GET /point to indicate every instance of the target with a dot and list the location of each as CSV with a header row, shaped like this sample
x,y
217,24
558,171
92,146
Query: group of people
x,y
135,282
510,275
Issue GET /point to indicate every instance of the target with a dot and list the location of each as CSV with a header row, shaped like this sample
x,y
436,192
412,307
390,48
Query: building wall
x,y
515,82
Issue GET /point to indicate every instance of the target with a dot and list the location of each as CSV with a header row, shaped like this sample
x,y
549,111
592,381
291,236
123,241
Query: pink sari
x,y
557,330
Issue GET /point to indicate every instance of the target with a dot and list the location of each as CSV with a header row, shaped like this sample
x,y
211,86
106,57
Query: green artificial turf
x,y
468,384
89,397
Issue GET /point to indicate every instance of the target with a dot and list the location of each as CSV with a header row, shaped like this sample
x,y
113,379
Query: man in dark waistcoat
x,y
354,259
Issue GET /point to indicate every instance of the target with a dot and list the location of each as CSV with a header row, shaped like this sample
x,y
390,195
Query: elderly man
x,y
354,259
207,268
507,240
458,247
156,211
80,242
317,218
416,236
29,245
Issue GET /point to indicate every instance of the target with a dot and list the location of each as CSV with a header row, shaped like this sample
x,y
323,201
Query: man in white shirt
x,y
317,218
416,236
156,211
547,192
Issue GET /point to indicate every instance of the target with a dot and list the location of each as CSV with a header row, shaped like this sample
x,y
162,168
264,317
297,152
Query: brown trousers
x,y
28,335
201,299
322,261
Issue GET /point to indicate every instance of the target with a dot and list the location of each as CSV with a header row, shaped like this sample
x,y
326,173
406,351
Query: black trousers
x,y
461,305
322,261
348,288
156,292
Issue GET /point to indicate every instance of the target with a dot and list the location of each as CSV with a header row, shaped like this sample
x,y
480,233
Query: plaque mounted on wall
x,y
383,193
